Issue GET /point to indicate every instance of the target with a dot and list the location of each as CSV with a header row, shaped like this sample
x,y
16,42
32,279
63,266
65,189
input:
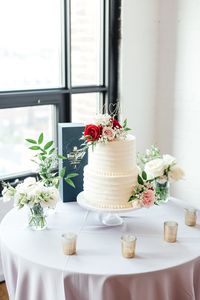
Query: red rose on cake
x,y
115,123
104,128
92,132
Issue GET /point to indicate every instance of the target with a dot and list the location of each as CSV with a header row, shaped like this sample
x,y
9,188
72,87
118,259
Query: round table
x,y
35,267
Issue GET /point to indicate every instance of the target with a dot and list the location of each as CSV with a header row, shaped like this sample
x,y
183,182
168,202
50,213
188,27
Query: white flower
x,y
176,173
154,168
8,193
51,197
29,181
102,119
168,160
20,199
32,192
108,133
26,186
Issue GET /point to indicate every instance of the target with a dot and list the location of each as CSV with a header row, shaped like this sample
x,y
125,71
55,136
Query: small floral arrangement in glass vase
x,y
40,194
162,170
36,196
105,128
143,194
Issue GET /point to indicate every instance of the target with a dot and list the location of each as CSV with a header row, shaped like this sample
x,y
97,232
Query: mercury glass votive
x,y
128,244
69,243
170,231
190,216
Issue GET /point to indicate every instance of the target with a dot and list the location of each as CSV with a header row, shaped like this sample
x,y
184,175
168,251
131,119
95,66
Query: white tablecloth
x,y
36,269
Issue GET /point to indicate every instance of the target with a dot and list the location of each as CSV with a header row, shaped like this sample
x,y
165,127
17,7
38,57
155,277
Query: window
x,y
59,63
30,44
16,125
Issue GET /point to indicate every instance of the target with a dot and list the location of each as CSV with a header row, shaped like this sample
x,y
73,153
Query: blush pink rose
x,y
109,133
148,198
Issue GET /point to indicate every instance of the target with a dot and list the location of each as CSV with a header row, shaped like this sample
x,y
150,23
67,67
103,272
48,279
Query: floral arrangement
x,y
42,192
36,196
31,192
105,128
160,169
143,194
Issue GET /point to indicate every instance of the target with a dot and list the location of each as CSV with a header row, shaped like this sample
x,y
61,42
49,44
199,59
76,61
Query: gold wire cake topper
x,y
112,109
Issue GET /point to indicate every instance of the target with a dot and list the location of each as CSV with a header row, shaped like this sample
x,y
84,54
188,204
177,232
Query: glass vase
x,y
162,191
37,217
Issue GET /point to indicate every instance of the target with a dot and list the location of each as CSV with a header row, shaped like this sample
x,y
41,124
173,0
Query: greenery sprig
x,y
142,185
124,126
47,159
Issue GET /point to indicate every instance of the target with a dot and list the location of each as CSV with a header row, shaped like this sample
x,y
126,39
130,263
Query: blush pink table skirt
x,y
36,269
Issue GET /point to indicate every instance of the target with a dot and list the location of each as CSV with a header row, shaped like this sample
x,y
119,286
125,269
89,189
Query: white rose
x,y
29,181
176,173
20,188
8,193
154,168
168,160
52,198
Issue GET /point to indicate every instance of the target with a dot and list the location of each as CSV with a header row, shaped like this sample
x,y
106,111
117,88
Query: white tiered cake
x,y
111,173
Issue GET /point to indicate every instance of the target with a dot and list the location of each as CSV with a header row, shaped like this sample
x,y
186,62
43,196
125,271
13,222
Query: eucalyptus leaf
x,y
70,182
62,172
51,151
62,157
133,197
125,123
40,139
140,180
34,147
144,175
48,145
31,141
72,175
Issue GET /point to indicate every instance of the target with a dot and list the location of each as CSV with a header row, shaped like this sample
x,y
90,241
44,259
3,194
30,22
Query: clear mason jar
x,y
37,217
162,190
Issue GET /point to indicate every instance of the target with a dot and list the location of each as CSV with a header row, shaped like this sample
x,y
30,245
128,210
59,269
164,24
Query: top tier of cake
x,y
114,158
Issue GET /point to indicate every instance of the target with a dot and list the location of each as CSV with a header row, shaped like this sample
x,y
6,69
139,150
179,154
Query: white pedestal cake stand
x,y
108,217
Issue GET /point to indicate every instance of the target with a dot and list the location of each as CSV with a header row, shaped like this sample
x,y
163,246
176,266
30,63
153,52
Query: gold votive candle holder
x,y
170,231
190,216
128,244
69,243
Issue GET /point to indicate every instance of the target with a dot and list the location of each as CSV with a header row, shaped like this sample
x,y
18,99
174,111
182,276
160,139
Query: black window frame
x,y
62,97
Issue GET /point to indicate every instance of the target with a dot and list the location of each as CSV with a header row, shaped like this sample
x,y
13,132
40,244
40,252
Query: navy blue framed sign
x,y
69,142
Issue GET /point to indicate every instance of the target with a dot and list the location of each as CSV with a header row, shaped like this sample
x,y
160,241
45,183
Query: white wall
x,y
179,91
139,67
160,83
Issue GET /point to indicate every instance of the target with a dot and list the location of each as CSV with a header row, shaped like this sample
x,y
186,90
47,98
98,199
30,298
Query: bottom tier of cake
x,y
108,191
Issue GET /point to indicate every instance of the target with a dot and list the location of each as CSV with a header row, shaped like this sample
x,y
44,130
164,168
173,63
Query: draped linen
x,y
35,267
